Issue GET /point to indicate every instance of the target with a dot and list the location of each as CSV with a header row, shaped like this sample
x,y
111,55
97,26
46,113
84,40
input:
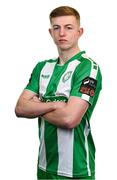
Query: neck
x,y
65,55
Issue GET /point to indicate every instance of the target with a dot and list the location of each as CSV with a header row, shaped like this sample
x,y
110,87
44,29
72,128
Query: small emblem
x,y
66,76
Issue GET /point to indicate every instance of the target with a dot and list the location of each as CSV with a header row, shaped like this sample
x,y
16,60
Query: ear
x,y
81,30
50,31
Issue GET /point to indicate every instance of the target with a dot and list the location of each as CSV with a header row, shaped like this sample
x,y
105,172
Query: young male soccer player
x,y
63,92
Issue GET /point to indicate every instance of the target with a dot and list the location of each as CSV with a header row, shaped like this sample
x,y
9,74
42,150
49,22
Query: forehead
x,y
63,20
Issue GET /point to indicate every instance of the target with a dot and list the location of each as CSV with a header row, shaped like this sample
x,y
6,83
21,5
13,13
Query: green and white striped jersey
x,y
67,152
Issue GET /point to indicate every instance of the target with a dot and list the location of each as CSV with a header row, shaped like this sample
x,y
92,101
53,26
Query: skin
x,y
65,31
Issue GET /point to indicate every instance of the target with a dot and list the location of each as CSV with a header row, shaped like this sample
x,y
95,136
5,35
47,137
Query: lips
x,y
62,40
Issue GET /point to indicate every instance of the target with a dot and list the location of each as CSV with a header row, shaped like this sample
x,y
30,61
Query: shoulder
x,y
85,59
88,62
88,66
46,60
92,66
41,63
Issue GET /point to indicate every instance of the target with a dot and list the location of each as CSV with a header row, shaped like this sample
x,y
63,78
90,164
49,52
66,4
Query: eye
x,y
55,27
69,27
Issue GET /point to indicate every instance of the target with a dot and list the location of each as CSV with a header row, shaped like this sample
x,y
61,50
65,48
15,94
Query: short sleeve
x,y
87,80
33,84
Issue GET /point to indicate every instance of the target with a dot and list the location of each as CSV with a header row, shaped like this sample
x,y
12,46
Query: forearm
x,y
32,109
58,117
70,115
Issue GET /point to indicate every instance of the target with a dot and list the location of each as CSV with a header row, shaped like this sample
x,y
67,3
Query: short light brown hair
x,y
64,11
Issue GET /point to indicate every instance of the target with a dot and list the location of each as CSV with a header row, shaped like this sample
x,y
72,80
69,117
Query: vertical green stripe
x,y
50,136
51,145
91,153
54,81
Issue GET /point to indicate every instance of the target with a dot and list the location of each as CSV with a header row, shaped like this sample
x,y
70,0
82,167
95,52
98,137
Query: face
x,y
65,32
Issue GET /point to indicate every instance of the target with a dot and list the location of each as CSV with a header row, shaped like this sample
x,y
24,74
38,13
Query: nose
x,y
62,31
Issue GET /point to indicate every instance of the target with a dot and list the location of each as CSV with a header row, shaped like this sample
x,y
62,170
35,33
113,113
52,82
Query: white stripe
x,y
42,152
93,73
85,97
86,133
65,151
66,86
46,71
66,136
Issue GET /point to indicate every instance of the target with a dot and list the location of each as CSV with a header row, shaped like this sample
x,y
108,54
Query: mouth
x,y
62,40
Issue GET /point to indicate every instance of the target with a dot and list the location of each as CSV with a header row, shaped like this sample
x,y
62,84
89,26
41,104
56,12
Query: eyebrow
x,y
64,25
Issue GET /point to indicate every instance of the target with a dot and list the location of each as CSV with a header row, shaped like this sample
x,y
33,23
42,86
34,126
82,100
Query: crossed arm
x,y
66,115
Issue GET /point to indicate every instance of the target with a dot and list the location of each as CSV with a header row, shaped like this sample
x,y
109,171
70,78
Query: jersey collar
x,y
76,56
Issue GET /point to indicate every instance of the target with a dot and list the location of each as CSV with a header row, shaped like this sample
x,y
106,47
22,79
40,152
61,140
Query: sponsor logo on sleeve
x,y
88,86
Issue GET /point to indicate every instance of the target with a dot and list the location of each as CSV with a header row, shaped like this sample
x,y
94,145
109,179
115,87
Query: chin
x,y
64,48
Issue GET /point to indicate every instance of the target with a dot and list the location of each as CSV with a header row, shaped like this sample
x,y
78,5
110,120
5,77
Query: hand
x,y
36,99
57,104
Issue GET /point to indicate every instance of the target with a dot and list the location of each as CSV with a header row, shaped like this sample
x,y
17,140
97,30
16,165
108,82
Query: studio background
x,y
25,40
